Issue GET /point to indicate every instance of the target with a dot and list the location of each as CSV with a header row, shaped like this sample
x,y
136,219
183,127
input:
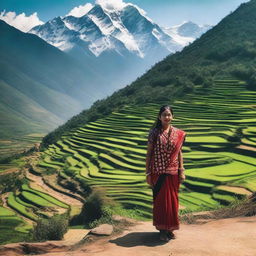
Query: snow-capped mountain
x,y
118,43
122,30
186,32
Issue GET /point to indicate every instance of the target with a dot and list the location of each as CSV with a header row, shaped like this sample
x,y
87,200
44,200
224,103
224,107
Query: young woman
x,y
165,172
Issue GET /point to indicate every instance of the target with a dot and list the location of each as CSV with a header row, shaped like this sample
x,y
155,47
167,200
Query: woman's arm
x,y
148,160
182,176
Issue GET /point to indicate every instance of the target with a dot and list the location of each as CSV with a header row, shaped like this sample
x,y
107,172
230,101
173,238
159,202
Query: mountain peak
x,y
111,5
109,25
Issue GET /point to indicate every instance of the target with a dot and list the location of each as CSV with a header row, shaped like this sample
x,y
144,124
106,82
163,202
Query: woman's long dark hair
x,y
158,123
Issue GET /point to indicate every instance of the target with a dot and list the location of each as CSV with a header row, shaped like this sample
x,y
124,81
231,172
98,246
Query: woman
x,y
165,172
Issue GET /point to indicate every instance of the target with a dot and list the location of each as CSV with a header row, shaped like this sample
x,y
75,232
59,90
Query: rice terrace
x,y
219,155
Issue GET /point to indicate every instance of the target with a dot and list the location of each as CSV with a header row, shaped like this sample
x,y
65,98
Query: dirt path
x,y
237,190
247,147
224,237
8,171
38,181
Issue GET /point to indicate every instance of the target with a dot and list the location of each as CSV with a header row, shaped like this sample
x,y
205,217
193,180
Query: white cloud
x,y
81,10
111,4
117,5
21,21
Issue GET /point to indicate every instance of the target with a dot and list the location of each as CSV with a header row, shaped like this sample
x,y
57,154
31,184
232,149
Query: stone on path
x,y
102,230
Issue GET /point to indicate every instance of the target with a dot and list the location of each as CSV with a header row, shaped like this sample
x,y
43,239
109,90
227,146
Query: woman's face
x,y
166,117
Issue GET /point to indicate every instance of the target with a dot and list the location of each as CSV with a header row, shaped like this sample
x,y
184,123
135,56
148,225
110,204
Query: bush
x,y
106,217
11,181
96,210
53,228
93,207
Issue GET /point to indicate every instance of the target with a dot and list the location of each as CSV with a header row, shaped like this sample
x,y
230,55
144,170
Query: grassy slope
x,y
110,152
41,87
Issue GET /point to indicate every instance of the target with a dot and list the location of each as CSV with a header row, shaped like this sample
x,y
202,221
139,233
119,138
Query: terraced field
x,y
219,151
12,227
219,156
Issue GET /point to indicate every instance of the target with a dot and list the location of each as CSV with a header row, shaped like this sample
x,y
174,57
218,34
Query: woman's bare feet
x,y
171,235
164,236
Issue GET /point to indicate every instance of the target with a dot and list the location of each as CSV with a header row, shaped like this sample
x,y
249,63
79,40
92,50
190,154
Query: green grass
x,y
13,229
21,209
45,196
4,212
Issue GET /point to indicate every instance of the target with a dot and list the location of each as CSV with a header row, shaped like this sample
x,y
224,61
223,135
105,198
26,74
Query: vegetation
x,y
11,181
110,152
237,208
12,228
53,228
96,210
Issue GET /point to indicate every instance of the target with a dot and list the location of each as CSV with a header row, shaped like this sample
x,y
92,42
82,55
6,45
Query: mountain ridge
x,y
117,23
41,85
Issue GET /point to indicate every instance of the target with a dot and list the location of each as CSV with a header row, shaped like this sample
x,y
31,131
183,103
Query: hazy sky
x,y
164,12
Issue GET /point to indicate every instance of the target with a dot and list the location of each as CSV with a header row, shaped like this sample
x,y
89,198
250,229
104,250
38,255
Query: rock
x,y
102,230
74,236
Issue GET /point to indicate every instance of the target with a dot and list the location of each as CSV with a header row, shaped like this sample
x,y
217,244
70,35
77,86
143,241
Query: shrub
x,y
93,207
106,217
11,181
53,228
97,209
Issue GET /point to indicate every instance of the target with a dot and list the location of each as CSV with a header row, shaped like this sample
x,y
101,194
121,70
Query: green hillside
x,y
219,150
41,87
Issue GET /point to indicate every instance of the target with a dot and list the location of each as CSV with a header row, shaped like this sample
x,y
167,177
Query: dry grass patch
x,y
238,208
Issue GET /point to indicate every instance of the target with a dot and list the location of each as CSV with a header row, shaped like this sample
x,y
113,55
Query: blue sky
x,y
164,12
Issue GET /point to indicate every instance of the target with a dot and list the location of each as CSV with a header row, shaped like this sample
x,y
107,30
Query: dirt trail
x,y
224,237
38,181
247,147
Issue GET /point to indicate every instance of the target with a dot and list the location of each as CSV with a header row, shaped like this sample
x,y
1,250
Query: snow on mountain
x,y
107,29
190,29
104,27
186,32
116,39
56,33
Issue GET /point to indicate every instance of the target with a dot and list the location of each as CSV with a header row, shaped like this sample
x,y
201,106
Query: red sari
x,y
165,162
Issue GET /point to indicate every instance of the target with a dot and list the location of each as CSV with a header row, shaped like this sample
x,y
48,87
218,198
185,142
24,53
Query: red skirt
x,y
166,203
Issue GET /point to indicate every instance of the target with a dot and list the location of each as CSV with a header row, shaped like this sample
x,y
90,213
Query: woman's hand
x,y
182,177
